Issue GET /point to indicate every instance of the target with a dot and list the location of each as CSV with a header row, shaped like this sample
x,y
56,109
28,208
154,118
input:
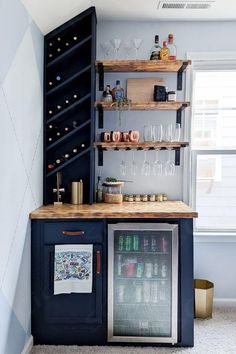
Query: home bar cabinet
x,y
141,254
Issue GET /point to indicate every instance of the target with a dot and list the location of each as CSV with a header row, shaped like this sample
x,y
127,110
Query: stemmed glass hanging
x,y
106,48
157,165
169,165
146,165
123,166
134,166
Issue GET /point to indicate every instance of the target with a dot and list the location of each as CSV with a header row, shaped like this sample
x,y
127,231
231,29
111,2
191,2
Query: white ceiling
x,y
49,14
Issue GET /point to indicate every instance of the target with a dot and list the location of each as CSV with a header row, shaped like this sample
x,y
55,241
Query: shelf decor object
x,y
69,99
175,66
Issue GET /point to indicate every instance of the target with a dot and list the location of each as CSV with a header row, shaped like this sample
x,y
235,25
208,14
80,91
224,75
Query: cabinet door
x,y
72,308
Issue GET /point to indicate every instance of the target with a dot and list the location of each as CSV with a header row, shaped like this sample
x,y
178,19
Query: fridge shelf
x,y
142,252
142,278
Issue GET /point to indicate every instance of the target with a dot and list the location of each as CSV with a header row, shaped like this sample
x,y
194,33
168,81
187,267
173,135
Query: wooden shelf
x,y
141,146
145,106
142,65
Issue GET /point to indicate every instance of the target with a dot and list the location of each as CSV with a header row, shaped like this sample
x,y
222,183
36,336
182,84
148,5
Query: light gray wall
x,y
21,73
213,260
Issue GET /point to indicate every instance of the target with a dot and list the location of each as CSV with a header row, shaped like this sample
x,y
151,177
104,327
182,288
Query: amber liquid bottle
x,y
164,53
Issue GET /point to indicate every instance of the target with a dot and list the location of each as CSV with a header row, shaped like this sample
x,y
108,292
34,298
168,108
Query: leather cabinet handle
x,y
73,233
98,253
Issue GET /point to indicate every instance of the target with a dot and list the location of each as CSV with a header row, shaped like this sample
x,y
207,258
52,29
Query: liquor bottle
x,y
155,51
172,47
99,190
164,53
107,94
117,92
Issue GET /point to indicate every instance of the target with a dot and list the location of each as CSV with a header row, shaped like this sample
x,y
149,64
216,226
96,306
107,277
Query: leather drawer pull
x,y
73,233
98,262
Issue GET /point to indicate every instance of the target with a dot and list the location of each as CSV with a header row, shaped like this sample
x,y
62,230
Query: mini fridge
x,y
142,282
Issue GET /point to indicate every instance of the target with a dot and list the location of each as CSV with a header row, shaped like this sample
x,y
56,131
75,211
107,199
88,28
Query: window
x,y
213,148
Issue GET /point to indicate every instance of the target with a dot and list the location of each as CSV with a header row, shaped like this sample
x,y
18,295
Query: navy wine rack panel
x,y
69,96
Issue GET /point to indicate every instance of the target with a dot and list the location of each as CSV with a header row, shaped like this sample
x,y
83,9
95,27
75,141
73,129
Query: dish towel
x,y
73,269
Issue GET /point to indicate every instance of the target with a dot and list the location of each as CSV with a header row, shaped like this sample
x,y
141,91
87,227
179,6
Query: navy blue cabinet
x,y
67,318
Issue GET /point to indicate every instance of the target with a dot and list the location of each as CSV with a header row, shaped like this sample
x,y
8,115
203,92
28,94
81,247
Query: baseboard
x,y
28,346
225,302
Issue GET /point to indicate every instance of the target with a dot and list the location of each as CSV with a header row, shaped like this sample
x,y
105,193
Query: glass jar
x,y
130,198
171,96
151,198
137,198
164,197
144,197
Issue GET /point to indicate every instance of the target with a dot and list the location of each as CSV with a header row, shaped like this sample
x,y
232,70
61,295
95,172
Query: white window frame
x,y
204,61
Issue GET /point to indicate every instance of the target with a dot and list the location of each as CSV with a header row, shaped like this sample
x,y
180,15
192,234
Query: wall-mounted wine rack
x,y
69,96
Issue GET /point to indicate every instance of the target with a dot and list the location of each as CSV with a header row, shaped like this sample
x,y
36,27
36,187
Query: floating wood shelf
x,y
142,65
175,145
146,145
145,106
173,66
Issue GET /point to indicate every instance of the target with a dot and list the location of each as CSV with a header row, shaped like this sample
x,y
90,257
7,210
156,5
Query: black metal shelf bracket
x,y
177,156
100,156
180,75
101,76
100,116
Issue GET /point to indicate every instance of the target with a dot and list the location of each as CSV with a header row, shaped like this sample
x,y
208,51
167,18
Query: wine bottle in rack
x,y
51,166
50,139
58,78
50,55
59,107
75,96
50,112
58,39
67,102
75,38
75,124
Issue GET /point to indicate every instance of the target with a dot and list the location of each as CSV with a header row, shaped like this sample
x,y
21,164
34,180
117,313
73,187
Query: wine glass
x,y
146,165
116,43
157,165
137,42
134,166
169,165
123,167
106,48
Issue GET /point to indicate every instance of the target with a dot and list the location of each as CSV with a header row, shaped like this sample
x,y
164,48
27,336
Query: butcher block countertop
x,y
168,209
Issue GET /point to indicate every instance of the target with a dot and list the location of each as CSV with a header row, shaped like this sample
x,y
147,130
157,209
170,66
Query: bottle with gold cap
x,y
172,47
164,53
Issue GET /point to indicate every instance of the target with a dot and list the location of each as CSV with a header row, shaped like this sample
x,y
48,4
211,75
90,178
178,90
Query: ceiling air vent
x,y
185,5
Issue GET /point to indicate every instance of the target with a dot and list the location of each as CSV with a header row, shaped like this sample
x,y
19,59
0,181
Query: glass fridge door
x,y
142,282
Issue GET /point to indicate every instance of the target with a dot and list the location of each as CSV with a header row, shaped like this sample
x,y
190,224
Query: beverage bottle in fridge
x,y
146,291
155,269
164,244
154,246
139,270
146,244
148,270
128,243
121,293
164,269
135,243
154,291
119,265
138,293
121,242
162,293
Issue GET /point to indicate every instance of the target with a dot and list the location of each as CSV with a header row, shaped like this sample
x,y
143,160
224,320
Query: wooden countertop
x,y
168,209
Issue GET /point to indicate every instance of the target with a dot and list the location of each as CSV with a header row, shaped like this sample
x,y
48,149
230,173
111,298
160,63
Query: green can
x,y
121,243
135,242
128,243
139,270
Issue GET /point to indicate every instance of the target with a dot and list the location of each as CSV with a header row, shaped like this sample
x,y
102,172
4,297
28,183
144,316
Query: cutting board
x,y
141,90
